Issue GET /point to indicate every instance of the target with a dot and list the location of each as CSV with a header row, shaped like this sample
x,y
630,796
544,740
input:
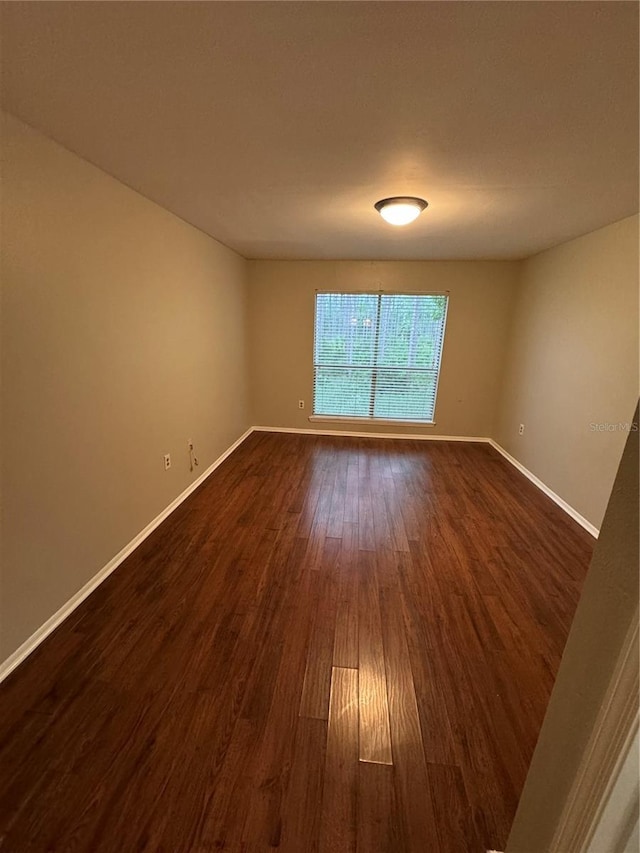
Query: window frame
x,y
372,419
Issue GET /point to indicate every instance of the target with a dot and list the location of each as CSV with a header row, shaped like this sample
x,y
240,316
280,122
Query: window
x,y
377,355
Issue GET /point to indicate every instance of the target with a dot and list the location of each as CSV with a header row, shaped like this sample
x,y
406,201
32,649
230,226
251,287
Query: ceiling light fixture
x,y
400,210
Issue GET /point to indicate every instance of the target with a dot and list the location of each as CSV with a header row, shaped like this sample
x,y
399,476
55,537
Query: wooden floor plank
x,y
338,833
345,647
316,687
412,782
379,821
410,599
375,736
302,800
453,817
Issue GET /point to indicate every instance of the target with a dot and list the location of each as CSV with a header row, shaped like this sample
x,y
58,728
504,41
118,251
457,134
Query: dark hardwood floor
x,y
335,644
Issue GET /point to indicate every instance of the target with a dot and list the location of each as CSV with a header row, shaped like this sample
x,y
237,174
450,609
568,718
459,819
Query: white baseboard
x,y
59,616
413,436
575,515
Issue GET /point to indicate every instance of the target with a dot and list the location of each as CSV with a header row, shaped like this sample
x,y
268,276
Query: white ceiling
x,y
275,126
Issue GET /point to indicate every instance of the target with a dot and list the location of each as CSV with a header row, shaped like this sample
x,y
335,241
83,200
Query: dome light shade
x,y
400,210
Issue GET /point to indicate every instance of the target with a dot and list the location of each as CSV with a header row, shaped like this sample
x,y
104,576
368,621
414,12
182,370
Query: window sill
x,y
353,420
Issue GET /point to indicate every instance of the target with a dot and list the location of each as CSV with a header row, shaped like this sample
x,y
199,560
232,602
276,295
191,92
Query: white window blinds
x,y
377,355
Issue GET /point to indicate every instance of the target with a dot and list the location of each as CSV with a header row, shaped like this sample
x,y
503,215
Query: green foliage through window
x,y
378,355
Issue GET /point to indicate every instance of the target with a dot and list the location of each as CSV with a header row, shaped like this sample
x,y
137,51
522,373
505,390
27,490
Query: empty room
x,y
319,431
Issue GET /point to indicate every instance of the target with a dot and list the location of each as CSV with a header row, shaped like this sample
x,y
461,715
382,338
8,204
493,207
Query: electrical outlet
x,y
301,404
167,461
193,459
521,429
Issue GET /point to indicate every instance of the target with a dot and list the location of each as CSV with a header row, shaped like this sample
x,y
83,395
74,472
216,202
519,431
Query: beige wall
x,y
573,362
605,613
123,337
281,308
